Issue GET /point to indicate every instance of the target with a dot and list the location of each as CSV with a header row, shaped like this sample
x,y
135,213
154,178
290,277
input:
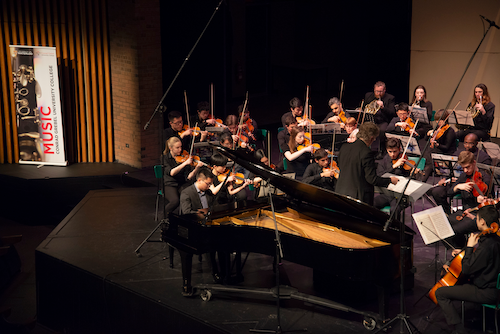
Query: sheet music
x,y
462,117
433,225
420,114
415,189
412,148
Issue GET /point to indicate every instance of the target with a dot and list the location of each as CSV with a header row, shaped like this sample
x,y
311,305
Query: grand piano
x,y
341,238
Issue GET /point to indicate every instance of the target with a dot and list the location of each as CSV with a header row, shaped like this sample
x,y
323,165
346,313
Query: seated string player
x,y
440,192
203,119
402,124
284,137
176,174
351,127
298,155
443,141
249,126
337,115
176,129
394,163
481,266
296,110
235,184
320,173
472,187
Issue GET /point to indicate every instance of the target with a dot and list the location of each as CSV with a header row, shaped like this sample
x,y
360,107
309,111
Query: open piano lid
x,y
306,192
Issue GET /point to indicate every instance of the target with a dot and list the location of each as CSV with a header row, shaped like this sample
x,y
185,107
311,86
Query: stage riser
x,y
72,300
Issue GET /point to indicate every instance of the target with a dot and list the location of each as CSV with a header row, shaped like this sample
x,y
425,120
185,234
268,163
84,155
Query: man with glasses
x,y
176,129
197,198
384,115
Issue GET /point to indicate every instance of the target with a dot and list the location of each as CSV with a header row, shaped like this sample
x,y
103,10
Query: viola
x,y
438,134
479,186
196,130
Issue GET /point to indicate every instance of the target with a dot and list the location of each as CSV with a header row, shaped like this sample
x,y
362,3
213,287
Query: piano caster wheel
x,y
369,323
206,295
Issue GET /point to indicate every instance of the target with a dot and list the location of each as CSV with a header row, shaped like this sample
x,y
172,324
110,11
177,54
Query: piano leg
x,y
383,298
187,262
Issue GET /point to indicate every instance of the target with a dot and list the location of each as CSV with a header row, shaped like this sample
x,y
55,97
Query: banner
x,y
38,105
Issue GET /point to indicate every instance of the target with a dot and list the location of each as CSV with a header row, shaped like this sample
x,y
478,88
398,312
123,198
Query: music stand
x,y
325,128
420,114
460,117
412,148
446,165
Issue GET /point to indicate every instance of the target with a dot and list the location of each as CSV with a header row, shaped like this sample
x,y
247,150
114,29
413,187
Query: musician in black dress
x,y
284,137
466,185
394,163
440,192
358,172
420,100
442,142
176,176
296,109
319,172
481,265
481,102
297,160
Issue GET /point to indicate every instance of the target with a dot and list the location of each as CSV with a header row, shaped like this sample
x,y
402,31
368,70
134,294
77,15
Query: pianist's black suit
x,y
190,200
358,172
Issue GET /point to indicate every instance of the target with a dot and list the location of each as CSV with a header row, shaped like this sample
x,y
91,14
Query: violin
x,y
438,134
410,125
486,202
196,130
315,146
185,156
239,178
479,186
453,275
333,167
408,164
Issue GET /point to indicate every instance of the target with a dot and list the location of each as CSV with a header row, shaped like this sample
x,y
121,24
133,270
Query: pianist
x,y
197,198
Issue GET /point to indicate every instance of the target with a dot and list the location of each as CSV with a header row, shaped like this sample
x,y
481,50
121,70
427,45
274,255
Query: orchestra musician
x,y
232,125
402,124
337,115
351,127
249,125
482,265
466,185
262,187
232,192
358,174
443,141
176,175
394,163
319,172
420,100
202,116
440,193
284,137
176,129
296,110
298,160
481,102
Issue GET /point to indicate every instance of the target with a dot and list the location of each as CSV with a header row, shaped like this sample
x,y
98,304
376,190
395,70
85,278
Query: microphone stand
x,y
161,108
278,257
402,315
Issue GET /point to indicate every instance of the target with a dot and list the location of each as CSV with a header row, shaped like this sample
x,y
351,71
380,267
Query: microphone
x,y
492,23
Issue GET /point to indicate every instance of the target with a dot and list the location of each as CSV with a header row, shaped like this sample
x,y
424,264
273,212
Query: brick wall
x,y
135,53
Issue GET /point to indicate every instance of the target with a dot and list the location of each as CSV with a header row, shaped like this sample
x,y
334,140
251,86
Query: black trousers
x,y
172,198
440,194
467,292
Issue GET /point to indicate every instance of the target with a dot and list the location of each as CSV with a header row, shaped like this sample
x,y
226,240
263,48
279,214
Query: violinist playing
x,y
337,115
296,110
235,185
298,160
203,118
402,124
249,125
176,174
321,172
481,265
176,129
472,187
393,163
442,142
239,138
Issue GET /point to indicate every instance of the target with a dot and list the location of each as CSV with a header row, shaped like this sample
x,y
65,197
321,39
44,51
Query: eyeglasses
x,y
208,183
177,123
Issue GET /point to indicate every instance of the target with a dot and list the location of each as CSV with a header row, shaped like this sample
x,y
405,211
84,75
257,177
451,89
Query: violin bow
x,y
192,142
187,108
409,139
241,118
364,112
333,145
306,109
212,99
340,99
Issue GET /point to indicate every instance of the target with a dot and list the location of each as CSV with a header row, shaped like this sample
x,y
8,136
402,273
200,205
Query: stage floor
x,y
89,279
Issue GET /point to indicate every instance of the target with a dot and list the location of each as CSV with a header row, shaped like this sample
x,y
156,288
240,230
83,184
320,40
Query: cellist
x,y
483,265
472,187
